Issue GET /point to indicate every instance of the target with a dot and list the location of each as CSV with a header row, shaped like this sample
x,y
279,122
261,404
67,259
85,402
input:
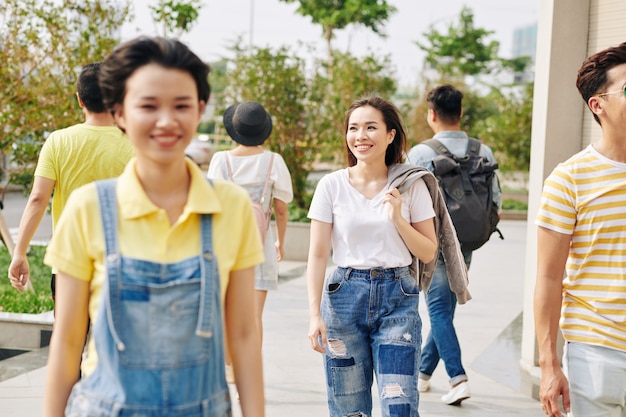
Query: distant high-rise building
x,y
525,41
525,44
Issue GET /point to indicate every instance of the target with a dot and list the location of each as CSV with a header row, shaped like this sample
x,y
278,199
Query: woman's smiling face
x,y
367,136
160,112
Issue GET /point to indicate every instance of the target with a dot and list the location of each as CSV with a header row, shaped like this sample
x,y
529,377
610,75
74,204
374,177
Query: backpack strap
x,y
438,147
229,167
473,147
267,177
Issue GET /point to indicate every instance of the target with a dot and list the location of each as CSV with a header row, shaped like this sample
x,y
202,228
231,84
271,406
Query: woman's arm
x,y
319,249
419,237
71,315
244,342
281,214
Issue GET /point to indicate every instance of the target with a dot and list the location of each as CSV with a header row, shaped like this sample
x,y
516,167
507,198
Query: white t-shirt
x,y
247,169
363,236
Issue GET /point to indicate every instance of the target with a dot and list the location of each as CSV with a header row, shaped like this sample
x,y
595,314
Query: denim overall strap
x,y
108,212
209,284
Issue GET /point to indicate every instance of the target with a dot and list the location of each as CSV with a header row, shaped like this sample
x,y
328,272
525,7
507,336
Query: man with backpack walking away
x,y
465,169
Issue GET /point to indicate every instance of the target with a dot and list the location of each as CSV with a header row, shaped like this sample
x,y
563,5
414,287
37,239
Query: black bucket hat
x,y
248,123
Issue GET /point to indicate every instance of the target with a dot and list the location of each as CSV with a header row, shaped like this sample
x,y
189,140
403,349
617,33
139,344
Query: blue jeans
x,y
441,342
597,377
373,327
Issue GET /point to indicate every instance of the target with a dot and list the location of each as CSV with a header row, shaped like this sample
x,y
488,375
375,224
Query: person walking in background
x,y
71,157
582,233
444,118
266,177
159,259
375,232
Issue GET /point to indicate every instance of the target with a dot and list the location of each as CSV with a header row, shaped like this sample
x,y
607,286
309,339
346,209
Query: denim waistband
x,y
373,273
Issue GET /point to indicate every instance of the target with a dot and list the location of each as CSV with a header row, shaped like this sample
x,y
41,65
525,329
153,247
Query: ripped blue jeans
x,y
373,328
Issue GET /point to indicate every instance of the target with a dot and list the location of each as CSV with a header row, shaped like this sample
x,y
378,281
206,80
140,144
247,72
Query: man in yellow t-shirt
x,y
70,158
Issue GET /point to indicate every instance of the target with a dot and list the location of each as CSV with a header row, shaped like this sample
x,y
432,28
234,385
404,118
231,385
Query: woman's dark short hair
x,y
592,78
129,56
393,120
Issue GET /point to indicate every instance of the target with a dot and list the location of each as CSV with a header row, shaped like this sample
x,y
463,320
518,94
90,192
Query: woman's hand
x,y
280,251
317,331
394,204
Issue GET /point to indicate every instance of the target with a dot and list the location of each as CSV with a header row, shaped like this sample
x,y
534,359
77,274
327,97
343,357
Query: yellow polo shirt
x,y
77,247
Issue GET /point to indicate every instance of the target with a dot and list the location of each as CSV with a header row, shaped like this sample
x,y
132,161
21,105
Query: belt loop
x,y
346,274
399,271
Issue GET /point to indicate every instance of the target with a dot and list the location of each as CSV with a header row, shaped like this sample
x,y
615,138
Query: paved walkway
x,y
488,327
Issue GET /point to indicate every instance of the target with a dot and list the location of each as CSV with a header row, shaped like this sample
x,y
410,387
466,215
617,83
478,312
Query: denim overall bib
x,y
158,334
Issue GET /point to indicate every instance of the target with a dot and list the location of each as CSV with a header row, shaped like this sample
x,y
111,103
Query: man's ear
x,y
596,105
118,116
80,101
431,116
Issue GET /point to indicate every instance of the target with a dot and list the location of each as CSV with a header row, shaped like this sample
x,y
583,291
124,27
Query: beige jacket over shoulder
x,y
402,176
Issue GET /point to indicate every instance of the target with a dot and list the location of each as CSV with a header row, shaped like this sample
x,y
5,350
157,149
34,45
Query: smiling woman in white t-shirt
x,y
364,316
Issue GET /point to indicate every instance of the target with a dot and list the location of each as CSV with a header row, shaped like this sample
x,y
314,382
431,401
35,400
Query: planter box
x,y
514,215
297,241
25,331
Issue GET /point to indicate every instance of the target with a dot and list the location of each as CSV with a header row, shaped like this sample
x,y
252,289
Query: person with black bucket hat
x,y
266,177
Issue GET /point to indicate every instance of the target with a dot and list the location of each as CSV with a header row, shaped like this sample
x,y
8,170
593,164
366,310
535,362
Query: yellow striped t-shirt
x,y
585,197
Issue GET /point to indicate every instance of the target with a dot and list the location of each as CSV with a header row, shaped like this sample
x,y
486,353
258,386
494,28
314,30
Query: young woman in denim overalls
x,y
364,316
153,258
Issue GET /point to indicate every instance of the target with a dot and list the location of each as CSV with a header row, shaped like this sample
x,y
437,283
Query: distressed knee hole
x,y
392,391
337,347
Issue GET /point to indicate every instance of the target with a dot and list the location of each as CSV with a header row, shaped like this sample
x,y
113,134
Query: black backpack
x,y
466,185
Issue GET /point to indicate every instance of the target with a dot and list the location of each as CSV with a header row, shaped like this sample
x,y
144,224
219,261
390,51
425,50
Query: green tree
x,y
176,17
44,45
463,50
335,15
494,111
352,78
307,106
277,80
508,129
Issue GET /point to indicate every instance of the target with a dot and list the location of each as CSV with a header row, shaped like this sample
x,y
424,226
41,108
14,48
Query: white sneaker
x,y
457,394
423,385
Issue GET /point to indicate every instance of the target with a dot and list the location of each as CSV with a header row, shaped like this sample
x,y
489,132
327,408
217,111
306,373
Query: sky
x,y
272,23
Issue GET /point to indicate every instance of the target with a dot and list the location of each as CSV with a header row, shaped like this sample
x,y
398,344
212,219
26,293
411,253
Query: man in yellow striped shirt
x,y
581,261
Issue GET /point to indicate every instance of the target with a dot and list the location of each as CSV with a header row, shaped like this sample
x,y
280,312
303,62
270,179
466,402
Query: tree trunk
x,y
328,35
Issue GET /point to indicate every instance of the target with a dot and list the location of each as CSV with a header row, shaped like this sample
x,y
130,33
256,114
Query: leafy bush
x,y
510,204
33,303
